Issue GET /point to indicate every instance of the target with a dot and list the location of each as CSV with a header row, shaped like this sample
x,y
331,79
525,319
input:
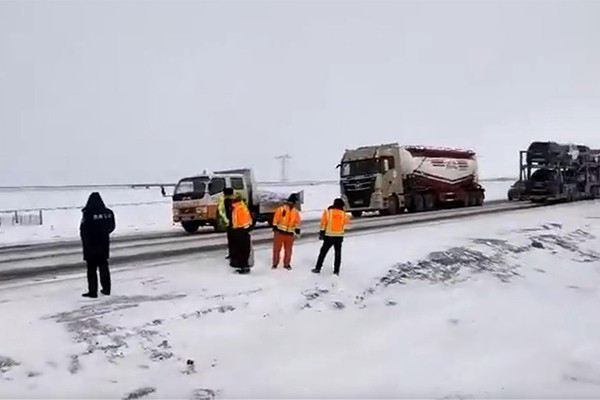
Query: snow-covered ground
x,y
496,190
137,210
495,306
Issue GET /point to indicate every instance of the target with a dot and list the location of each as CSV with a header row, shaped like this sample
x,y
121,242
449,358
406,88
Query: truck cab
x,y
196,198
369,179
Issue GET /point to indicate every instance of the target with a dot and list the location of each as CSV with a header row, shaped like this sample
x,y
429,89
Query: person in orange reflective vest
x,y
333,226
286,224
241,223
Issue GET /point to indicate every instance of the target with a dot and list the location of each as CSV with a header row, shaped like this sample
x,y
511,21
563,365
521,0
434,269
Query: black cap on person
x,y
293,199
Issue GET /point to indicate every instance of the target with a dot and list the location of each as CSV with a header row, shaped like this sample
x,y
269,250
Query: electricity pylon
x,y
284,158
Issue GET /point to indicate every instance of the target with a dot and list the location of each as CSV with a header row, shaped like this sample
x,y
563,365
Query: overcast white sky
x,y
106,92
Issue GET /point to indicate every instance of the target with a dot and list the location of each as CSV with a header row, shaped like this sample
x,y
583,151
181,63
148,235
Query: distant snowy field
x,y
499,306
138,210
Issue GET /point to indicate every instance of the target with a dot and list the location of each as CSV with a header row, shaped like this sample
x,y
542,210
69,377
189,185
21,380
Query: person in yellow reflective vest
x,y
224,216
241,246
286,225
333,227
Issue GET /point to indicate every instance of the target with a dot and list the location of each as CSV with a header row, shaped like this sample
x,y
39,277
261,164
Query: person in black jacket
x,y
97,223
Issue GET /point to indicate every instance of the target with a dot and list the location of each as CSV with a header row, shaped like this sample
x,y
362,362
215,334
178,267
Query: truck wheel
x,y
478,199
190,226
410,203
393,207
357,214
429,202
471,199
419,202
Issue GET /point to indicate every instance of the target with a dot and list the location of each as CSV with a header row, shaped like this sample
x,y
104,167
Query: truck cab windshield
x,y
191,185
361,167
543,175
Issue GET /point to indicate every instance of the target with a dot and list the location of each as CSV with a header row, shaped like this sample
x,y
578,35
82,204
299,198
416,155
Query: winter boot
x,y
90,295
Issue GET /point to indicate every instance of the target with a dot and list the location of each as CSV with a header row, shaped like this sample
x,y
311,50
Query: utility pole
x,y
284,158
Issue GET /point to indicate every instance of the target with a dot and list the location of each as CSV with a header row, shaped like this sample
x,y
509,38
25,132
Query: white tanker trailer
x,y
390,178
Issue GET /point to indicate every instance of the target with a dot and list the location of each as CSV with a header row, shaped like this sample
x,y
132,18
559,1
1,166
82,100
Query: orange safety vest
x,y
240,216
334,222
286,219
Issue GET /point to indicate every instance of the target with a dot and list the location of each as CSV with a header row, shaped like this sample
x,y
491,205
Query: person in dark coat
x,y
97,223
241,244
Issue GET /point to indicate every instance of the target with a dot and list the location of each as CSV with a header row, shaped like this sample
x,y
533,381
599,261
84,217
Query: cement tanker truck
x,y
390,178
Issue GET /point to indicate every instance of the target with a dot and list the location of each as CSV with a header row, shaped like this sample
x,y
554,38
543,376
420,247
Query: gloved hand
x,y
298,233
322,235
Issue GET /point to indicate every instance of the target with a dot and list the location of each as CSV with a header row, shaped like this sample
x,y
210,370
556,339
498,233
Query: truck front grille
x,y
359,199
359,191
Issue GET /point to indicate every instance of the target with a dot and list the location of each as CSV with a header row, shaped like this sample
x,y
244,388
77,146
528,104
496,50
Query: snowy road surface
x,y
492,306
36,259
139,210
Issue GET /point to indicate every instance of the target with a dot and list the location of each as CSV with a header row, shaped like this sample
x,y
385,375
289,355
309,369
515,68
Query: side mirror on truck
x,y
164,193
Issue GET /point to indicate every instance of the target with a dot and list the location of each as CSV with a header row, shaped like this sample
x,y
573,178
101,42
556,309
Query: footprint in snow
x,y
139,393
203,394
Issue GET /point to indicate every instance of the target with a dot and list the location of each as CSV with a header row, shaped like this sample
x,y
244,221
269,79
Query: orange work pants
x,y
285,241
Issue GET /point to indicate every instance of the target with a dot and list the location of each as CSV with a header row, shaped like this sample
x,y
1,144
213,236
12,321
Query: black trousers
x,y
328,243
240,248
92,277
229,240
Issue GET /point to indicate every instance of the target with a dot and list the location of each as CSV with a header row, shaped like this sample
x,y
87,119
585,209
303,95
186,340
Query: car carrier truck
x,y
560,172
196,198
390,178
